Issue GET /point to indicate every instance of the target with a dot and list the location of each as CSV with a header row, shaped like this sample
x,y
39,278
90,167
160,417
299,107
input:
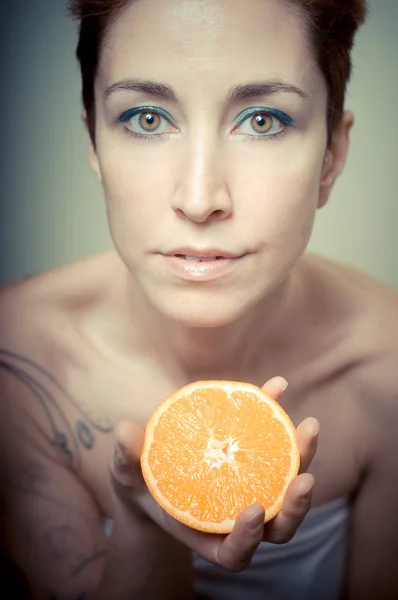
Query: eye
x,y
259,122
147,122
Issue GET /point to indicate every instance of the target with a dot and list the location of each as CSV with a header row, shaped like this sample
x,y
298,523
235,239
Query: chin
x,y
202,320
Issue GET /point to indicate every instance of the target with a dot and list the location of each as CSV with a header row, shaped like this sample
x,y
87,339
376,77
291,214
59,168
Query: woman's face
x,y
211,138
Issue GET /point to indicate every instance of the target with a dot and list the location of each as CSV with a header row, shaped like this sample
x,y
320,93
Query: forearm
x,y
152,566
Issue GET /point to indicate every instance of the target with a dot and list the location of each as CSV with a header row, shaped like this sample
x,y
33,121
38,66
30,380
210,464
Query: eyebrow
x,y
265,88
236,93
152,88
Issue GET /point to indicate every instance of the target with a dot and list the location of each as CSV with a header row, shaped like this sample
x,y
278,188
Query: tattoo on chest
x,y
68,438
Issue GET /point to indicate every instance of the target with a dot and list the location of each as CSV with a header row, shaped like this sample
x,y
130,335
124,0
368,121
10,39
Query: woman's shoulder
x,y
370,298
63,281
40,314
355,278
42,348
369,312
57,290
367,345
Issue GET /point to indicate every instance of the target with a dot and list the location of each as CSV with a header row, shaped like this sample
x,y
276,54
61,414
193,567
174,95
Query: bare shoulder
x,y
31,308
373,336
40,346
375,302
50,518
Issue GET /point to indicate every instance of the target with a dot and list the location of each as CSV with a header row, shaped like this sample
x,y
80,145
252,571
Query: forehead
x,y
209,40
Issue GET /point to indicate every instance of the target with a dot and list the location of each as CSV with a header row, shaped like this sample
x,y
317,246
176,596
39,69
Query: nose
x,y
202,193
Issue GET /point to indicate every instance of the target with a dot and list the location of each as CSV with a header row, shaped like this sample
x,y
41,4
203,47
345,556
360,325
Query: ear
x,y
92,154
335,157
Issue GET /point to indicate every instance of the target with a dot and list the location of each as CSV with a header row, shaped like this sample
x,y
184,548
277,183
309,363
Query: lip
x,y
203,253
208,270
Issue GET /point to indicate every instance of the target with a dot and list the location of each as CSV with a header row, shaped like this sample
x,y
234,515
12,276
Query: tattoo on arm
x,y
85,435
15,580
59,532
87,562
64,437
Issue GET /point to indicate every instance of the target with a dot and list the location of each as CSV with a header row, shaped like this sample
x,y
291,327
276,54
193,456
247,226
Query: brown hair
x,y
331,26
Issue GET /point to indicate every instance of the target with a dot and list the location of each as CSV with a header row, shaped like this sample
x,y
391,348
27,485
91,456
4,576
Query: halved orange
x,y
213,448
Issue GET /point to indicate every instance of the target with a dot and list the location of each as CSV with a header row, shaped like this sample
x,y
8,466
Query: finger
x,y
131,437
235,551
125,464
232,552
296,505
275,387
307,440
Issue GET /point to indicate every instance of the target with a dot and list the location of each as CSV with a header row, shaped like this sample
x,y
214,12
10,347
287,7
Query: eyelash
x,y
129,114
273,112
250,112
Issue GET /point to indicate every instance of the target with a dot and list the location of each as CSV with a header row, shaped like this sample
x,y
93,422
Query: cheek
x,y
280,196
135,184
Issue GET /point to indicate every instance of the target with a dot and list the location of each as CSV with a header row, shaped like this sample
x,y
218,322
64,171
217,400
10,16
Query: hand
x,y
233,552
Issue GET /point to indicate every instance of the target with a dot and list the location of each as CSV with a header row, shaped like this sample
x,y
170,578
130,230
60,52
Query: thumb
x,y
125,464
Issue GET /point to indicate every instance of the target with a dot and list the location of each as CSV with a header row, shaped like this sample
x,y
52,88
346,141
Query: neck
x,y
244,350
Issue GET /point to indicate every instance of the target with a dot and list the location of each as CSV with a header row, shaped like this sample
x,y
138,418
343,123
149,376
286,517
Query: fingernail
x,y
307,492
316,429
284,383
256,521
119,453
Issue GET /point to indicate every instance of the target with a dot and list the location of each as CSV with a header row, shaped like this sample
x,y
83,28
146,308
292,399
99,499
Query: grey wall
x,y
52,209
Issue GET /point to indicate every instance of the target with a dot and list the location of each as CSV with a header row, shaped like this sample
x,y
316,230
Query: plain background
x,y
52,208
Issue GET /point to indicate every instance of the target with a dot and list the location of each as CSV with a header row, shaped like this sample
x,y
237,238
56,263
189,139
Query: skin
x,y
90,349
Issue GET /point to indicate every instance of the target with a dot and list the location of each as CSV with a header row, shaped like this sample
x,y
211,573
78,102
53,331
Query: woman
x,y
217,129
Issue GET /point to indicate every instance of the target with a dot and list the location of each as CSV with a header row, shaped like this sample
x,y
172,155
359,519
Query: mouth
x,y
200,254
199,258
199,264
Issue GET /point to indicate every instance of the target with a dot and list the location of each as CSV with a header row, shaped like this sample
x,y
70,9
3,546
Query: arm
x,y
373,559
51,526
51,529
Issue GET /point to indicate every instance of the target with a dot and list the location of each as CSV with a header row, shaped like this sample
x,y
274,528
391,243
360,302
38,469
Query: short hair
x,y
331,26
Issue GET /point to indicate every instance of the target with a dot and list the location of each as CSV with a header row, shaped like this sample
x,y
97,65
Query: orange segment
x,y
213,448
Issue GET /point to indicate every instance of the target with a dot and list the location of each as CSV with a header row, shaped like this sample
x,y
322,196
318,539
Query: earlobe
x,y
328,169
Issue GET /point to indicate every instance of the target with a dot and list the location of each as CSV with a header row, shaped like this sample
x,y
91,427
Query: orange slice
x,y
213,448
